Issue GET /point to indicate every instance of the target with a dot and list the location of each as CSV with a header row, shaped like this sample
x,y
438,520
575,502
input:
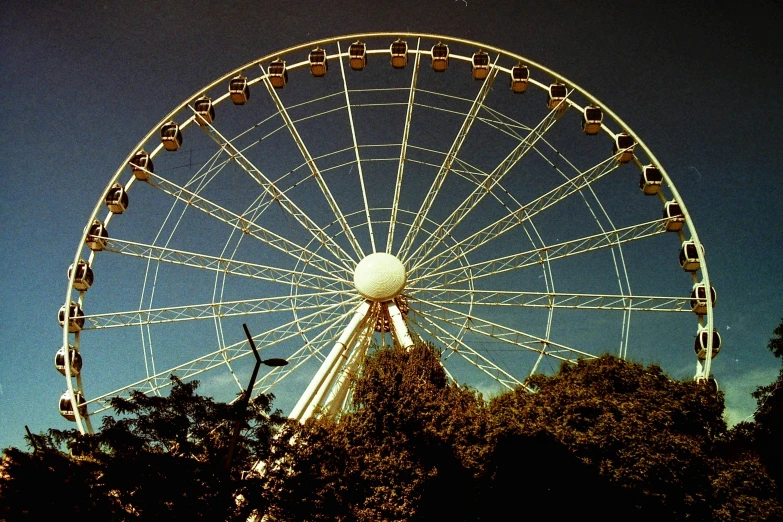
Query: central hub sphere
x,y
379,277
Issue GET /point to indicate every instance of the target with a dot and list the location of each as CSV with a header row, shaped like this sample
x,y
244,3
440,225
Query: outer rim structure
x,y
706,319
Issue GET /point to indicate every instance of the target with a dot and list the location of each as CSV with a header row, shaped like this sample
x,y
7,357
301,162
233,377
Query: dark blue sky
x,y
81,84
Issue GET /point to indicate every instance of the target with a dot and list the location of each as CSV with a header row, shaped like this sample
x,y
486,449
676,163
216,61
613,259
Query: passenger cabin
x,y
97,236
624,144
702,338
74,359
399,54
592,117
205,111
278,75
673,215
171,136
440,57
650,181
699,298
557,96
358,55
318,63
520,74
141,165
689,257
117,199
83,278
239,90
75,317
480,65
66,405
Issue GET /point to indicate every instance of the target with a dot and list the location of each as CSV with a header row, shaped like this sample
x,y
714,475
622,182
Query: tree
x,y
412,441
162,458
766,433
604,437
633,425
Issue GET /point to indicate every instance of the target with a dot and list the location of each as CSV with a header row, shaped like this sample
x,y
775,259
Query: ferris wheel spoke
x,y
228,266
225,355
549,253
524,214
445,167
335,208
403,149
644,303
493,330
459,347
356,152
279,196
445,229
475,175
213,310
248,227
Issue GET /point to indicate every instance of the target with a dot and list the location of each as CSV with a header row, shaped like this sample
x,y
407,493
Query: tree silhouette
x,y
161,458
603,437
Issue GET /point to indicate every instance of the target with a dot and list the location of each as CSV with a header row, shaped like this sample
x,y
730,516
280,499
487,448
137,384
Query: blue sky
x,y
80,85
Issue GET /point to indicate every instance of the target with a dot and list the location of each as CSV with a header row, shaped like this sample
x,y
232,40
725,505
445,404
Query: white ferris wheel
x,y
381,188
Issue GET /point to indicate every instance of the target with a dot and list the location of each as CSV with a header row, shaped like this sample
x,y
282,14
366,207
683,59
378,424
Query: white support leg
x,y
318,386
399,327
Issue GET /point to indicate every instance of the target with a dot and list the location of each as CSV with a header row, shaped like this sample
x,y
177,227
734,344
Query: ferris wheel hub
x,y
379,277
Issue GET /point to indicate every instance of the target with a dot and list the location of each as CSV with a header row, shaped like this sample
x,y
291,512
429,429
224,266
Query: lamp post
x,y
247,394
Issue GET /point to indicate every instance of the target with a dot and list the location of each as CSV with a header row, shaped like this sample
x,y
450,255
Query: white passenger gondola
x,y
650,180
624,144
171,136
556,98
675,219
399,54
278,75
205,111
141,165
67,409
358,55
97,236
440,57
74,359
239,90
83,278
689,257
592,117
520,74
702,338
480,65
117,199
75,317
318,64
699,298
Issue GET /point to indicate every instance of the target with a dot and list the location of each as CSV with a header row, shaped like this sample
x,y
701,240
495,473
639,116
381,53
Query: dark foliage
x,y
605,437
163,458
608,438
765,435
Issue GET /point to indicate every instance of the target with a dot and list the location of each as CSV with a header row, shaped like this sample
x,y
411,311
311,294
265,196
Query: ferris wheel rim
x,y
83,423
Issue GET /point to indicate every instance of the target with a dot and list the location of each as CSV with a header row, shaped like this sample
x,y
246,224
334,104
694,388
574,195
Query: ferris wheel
x,y
381,188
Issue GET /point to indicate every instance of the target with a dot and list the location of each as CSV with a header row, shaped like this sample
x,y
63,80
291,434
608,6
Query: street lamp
x,y
247,394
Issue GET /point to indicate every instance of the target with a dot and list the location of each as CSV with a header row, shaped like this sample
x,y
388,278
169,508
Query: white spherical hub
x,y
379,277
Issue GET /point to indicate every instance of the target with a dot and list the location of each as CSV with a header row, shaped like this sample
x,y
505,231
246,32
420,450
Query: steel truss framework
x,y
523,240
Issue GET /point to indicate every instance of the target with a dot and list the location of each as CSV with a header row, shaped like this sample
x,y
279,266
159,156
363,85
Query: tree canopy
x,y
763,436
161,458
605,437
